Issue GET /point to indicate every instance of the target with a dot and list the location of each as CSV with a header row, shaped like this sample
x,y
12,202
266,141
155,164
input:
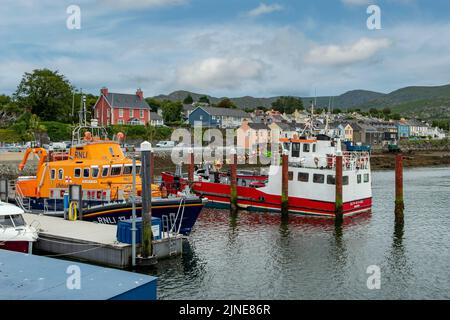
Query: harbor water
x,y
258,256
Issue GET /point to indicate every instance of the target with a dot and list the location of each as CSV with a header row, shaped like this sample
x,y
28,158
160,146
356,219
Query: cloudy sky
x,y
228,47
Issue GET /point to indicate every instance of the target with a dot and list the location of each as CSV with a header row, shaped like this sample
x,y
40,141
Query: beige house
x,y
348,132
280,130
250,135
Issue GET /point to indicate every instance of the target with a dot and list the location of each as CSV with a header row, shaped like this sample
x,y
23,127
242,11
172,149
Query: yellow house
x,y
348,132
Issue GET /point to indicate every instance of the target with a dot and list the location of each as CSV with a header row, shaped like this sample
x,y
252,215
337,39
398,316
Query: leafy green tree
x,y
204,99
4,99
337,111
171,110
188,99
154,104
46,93
373,111
395,116
287,104
386,111
226,103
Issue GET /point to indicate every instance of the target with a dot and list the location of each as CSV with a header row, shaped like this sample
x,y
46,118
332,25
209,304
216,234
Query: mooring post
x,y
399,204
339,213
233,182
152,165
191,165
146,247
285,183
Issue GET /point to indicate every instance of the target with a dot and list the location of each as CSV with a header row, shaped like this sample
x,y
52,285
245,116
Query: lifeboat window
x,y
86,172
95,172
53,174
290,175
115,171
331,179
303,176
345,180
306,147
77,172
138,169
127,169
358,178
105,171
318,178
366,177
60,174
295,150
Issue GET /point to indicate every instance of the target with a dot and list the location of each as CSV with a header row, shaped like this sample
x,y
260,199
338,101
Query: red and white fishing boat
x,y
311,176
15,234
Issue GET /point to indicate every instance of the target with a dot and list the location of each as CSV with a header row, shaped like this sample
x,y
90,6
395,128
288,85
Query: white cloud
x,y
137,4
361,50
219,73
264,9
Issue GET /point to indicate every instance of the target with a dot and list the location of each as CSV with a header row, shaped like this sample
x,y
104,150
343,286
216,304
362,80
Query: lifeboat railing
x,y
23,202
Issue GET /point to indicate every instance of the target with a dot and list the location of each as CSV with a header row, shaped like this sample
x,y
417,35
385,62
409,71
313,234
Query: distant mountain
x,y
425,102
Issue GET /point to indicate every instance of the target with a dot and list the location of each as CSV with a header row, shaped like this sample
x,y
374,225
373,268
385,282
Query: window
x,y
138,169
115,171
290,175
5,221
331,179
318,178
52,174
108,112
130,113
303,177
120,113
18,220
345,180
306,147
95,172
86,172
98,113
295,150
127,169
141,113
201,117
366,177
358,178
60,174
77,173
105,171
120,121
314,147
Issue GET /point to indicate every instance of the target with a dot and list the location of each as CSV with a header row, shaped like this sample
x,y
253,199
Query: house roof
x,y
155,116
124,100
258,126
214,111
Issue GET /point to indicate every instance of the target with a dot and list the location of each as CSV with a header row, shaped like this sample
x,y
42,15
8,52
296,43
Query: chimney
x,y
104,91
140,94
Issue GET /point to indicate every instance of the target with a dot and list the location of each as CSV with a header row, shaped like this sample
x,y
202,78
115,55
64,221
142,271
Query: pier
x,y
92,242
30,277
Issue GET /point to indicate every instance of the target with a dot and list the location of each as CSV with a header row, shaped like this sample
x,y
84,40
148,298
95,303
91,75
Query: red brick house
x,y
121,108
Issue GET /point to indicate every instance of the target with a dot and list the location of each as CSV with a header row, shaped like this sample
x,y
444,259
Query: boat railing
x,y
23,202
351,161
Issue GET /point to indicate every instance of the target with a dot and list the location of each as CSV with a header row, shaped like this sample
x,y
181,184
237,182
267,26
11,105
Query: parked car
x,y
165,144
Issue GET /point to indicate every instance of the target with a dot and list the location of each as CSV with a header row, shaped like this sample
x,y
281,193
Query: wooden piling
x,y
285,183
339,213
191,165
233,183
152,166
399,204
146,247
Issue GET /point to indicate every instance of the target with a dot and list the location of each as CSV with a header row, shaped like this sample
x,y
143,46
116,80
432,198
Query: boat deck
x,y
90,241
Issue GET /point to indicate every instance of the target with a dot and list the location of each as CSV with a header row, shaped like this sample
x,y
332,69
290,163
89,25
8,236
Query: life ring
x,y
73,212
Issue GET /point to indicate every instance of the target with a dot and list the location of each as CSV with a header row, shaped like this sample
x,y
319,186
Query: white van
x,y
165,144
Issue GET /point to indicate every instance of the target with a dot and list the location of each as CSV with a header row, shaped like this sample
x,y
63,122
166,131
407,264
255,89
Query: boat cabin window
x,y
53,174
115,171
5,221
18,220
318,178
314,147
306,147
77,173
331,179
86,172
105,171
295,150
358,178
60,174
138,169
366,177
127,169
303,176
290,175
345,180
95,172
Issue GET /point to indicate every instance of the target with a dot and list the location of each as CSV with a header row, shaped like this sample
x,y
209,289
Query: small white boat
x,y
15,234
